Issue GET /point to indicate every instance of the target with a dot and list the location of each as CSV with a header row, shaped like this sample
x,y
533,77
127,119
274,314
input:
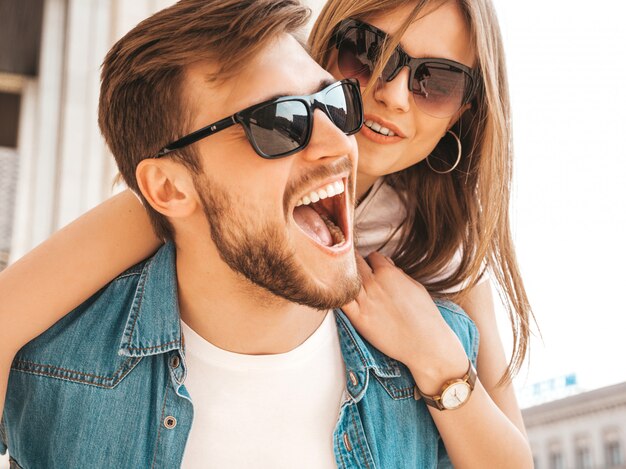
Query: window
x,y
556,460
583,458
9,118
10,101
20,36
613,453
570,380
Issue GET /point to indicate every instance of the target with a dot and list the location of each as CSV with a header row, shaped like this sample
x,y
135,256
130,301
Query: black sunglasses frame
x,y
405,60
311,102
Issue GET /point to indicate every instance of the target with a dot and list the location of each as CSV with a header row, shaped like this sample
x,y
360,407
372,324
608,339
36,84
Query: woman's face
x,y
439,33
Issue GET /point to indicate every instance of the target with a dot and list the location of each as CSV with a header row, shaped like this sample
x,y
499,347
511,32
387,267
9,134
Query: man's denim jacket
x,y
104,387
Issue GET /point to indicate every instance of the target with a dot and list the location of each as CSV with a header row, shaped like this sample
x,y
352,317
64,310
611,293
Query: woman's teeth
x,y
376,127
330,190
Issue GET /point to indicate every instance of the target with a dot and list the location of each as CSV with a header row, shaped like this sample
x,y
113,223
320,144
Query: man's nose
x,y
328,140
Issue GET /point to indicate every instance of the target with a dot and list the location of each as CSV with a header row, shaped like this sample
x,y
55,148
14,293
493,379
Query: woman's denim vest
x,y
103,388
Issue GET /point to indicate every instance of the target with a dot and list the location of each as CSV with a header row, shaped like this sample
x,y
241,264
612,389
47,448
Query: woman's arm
x,y
397,315
478,304
61,273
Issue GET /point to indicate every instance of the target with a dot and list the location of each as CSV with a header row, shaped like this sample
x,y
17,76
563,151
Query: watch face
x,y
455,395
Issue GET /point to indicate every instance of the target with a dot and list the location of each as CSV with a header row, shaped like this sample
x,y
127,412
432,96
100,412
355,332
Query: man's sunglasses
x,y
440,87
281,127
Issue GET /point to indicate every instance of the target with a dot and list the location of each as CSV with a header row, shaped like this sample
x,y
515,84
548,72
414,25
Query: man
x,y
258,373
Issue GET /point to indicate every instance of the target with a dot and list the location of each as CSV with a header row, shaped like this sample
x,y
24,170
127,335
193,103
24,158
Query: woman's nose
x,y
394,94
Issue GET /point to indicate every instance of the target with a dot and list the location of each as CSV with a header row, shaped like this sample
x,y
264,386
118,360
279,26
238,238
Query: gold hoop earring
x,y
458,158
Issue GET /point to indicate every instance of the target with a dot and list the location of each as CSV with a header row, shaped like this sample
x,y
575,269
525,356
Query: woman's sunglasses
x,y
440,87
281,127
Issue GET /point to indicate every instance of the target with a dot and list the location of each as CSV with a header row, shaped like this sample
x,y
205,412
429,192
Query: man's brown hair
x,y
141,107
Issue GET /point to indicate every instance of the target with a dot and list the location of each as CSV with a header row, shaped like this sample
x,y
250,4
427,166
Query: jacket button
x,y
169,422
175,361
353,379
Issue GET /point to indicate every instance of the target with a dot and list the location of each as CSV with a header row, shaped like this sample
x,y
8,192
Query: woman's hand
x,y
397,316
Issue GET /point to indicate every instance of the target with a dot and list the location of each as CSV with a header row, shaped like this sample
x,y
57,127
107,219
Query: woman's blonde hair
x,y
467,208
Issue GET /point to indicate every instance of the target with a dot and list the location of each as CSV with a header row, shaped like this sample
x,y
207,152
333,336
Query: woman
x,y
433,185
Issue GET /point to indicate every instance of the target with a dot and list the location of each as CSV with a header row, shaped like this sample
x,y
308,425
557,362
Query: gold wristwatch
x,y
454,393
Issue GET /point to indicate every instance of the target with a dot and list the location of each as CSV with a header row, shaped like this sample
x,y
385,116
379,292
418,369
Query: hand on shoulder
x,y
397,315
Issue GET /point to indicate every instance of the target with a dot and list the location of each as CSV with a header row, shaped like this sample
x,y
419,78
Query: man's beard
x,y
258,250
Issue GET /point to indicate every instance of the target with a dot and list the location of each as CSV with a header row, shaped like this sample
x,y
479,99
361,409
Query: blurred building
x,y
18,60
585,431
557,387
54,164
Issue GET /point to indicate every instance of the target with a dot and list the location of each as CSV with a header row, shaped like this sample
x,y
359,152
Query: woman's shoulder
x,y
451,267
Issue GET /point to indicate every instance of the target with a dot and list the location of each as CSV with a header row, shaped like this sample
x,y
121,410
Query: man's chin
x,y
284,263
332,285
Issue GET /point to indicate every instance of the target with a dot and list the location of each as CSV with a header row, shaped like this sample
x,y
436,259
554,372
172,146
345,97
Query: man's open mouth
x,y
322,214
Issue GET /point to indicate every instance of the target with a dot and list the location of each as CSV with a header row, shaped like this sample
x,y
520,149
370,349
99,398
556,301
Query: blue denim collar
x,y
360,357
153,324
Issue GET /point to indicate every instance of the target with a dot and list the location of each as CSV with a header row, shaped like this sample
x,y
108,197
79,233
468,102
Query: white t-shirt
x,y
377,222
264,411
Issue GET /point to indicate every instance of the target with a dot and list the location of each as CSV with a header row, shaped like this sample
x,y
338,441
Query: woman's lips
x,y
379,138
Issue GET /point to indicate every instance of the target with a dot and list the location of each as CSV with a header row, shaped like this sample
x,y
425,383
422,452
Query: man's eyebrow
x,y
323,84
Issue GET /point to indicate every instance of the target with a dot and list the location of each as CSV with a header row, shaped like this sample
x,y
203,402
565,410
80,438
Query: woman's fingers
x,y
351,309
376,260
364,269
370,272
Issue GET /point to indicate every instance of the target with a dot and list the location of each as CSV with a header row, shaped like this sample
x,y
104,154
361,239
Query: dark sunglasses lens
x,y
280,128
343,103
358,52
439,89
356,55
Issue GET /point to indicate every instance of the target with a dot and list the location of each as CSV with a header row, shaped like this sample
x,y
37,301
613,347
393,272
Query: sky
x,y
567,74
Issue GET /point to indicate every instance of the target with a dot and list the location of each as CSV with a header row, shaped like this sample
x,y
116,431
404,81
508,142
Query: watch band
x,y
435,401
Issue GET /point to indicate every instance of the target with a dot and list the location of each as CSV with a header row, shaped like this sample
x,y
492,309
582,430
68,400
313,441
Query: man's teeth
x,y
376,127
334,230
330,190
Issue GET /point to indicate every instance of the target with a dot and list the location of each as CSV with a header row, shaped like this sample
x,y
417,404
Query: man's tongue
x,y
312,224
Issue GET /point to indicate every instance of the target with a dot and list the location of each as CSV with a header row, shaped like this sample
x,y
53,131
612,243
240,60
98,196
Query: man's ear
x,y
167,186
